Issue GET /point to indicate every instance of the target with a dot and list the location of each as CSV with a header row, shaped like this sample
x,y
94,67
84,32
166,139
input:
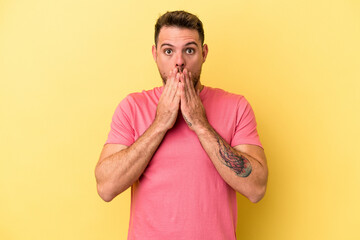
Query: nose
x,y
180,61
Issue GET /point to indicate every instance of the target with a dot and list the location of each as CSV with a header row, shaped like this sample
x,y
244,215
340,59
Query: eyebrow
x,y
189,43
166,44
170,45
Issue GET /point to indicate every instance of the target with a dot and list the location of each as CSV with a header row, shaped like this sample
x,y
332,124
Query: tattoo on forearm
x,y
238,163
187,121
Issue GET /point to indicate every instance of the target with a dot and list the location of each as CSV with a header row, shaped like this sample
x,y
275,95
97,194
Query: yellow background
x,y
65,65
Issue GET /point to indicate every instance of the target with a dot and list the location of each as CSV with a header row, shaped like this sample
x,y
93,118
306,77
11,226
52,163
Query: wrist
x,y
203,128
159,126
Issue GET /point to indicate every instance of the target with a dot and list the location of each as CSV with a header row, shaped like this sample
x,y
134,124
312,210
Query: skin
x,y
179,56
180,48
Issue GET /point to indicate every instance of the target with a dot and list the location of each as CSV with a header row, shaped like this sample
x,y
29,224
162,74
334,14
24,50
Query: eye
x,y
190,50
168,51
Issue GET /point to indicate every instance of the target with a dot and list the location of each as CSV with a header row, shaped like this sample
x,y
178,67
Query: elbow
x,y
257,194
105,188
259,188
105,193
108,191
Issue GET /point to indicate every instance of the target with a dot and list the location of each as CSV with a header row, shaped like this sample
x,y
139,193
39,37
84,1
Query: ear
x,y
205,51
154,52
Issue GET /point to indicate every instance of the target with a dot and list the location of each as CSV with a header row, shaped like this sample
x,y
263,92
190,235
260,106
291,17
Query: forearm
x,y
117,172
242,172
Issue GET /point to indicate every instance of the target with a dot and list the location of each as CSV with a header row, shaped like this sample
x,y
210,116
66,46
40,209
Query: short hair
x,y
179,19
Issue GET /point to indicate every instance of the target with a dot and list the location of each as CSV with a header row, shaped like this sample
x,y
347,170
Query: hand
x,y
191,106
169,102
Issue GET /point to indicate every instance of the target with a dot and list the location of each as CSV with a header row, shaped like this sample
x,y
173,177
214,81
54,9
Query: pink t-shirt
x,y
181,195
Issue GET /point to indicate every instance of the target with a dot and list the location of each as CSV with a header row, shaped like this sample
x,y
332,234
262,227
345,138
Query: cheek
x,y
195,62
195,67
164,64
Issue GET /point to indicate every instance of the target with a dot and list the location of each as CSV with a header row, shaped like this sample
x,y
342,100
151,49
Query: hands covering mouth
x,y
180,94
180,69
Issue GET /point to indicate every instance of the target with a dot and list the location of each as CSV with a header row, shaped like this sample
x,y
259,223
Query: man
x,y
184,147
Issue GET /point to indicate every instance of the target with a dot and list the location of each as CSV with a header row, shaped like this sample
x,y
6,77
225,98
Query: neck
x,y
199,86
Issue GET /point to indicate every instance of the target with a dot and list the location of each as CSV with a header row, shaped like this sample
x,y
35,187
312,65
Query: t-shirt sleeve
x,y
245,130
122,131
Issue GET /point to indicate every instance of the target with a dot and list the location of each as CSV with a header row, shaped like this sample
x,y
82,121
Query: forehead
x,y
177,35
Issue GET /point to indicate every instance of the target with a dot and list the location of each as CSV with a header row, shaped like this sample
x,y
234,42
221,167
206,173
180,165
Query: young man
x,y
184,148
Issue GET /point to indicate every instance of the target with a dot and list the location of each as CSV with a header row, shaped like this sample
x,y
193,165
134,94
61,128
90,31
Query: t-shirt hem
x,y
121,143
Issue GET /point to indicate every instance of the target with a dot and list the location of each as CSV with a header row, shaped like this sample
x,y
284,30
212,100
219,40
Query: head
x,y
179,42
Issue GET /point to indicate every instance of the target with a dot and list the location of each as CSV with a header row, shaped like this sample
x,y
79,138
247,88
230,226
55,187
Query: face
x,y
180,48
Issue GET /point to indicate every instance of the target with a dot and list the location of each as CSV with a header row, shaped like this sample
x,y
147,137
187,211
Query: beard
x,y
195,77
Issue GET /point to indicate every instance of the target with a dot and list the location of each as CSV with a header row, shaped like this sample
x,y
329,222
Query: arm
x,y
120,166
243,167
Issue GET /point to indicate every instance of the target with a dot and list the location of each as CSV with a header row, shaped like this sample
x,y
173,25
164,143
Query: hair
x,y
179,19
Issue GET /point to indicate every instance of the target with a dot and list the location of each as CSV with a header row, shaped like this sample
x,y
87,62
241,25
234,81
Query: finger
x,y
184,93
188,80
183,90
174,87
188,86
191,86
172,76
179,92
170,82
183,99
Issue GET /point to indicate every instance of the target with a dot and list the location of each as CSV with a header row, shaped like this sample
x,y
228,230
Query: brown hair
x,y
179,19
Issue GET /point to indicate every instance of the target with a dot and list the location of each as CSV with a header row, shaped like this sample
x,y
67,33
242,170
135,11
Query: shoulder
x,y
227,101
139,101
144,96
222,95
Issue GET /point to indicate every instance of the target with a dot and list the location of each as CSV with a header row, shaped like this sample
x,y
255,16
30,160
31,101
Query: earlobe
x,y
154,52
